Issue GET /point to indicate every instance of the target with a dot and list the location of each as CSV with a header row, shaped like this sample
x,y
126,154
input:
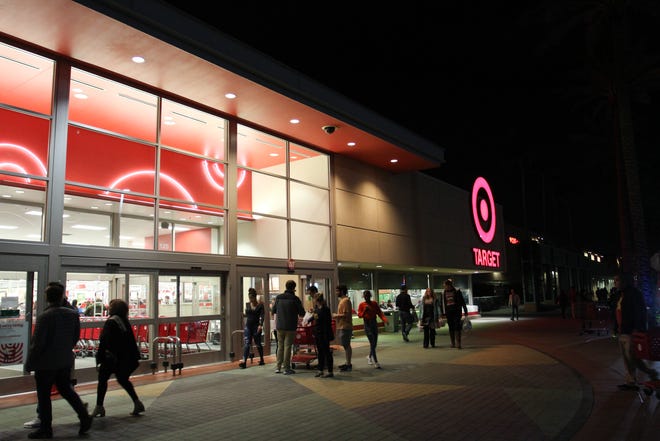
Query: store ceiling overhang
x,y
191,60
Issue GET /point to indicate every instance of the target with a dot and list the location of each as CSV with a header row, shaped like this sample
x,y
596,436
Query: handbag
x,y
109,362
441,322
467,324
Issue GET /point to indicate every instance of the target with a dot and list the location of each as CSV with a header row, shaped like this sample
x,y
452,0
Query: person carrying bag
x,y
118,354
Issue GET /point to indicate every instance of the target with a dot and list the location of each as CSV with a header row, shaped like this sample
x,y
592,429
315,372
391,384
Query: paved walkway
x,y
536,379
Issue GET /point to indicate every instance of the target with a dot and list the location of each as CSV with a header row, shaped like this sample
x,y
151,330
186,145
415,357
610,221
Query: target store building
x,y
147,157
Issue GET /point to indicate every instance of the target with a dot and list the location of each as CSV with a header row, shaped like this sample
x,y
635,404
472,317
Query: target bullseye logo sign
x,y
485,222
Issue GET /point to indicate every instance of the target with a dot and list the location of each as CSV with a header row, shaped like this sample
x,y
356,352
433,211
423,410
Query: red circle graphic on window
x,y
483,210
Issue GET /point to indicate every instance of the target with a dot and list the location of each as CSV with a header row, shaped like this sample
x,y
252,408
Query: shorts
x,y
344,337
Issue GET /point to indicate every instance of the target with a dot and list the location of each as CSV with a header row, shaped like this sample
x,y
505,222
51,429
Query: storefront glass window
x,y
190,228
21,210
26,81
97,159
260,151
110,106
309,166
262,236
191,179
261,193
310,241
190,130
310,203
110,219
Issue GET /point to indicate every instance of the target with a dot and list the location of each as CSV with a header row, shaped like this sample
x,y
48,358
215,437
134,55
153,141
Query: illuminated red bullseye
x,y
485,210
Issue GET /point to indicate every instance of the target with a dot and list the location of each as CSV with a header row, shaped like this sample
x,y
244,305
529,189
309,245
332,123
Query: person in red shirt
x,y
368,311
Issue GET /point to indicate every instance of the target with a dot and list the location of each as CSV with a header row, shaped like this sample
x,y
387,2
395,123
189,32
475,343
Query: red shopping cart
x,y
304,346
647,347
596,319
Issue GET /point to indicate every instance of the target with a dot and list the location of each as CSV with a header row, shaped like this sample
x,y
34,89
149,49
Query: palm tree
x,y
620,68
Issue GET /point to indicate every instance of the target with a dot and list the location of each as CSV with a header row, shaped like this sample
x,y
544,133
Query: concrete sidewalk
x,y
533,379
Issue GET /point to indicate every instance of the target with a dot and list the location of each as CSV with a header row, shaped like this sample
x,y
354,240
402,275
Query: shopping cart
x,y
304,347
596,319
647,347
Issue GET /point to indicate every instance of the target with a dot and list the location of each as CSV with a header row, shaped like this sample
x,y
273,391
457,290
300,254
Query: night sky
x,y
509,90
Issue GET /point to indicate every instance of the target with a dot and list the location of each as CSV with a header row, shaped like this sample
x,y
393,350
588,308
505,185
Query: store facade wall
x,y
408,228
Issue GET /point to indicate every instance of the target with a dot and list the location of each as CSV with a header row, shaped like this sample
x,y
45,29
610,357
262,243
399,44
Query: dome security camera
x,y
329,129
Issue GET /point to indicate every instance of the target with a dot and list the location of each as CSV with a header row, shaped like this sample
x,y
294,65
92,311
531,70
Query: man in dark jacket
x,y
631,317
404,304
287,309
51,357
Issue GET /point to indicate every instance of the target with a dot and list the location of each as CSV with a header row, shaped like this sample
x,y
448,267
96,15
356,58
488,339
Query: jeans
x,y
406,323
249,335
284,343
371,330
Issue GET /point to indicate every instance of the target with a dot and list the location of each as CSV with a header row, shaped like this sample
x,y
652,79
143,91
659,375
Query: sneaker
x,y
370,360
346,367
261,363
242,365
329,375
289,372
32,424
377,366
319,374
278,371
41,434
405,338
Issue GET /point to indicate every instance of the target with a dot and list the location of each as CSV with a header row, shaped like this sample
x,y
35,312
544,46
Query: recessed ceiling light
x,y
351,144
273,154
294,121
230,95
138,59
394,161
80,96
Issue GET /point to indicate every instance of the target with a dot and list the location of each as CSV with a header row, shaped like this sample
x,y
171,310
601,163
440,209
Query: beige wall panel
x,y
398,250
356,245
356,210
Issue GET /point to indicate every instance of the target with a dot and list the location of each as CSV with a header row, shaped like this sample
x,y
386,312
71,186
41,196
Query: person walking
x,y
254,322
429,315
118,354
322,321
287,309
562,300
51,357
368,311
405,306
453,302
344,325
631,317
514,302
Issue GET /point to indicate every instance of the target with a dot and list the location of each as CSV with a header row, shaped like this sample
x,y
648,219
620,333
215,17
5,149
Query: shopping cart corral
x,y
647,347
168,348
